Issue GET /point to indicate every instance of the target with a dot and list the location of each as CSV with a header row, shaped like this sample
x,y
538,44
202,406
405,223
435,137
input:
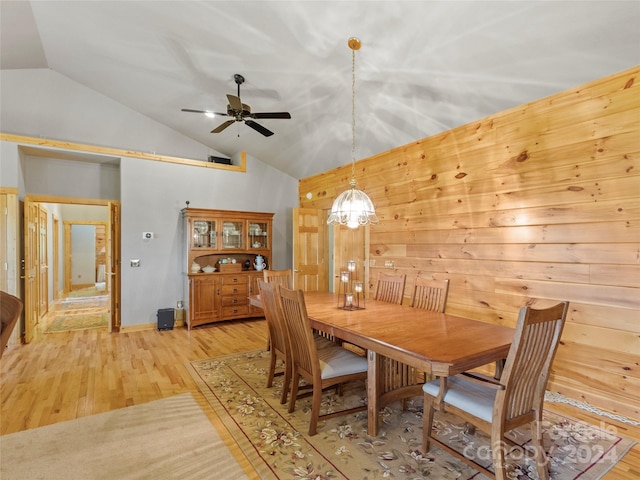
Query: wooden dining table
x,y
438,344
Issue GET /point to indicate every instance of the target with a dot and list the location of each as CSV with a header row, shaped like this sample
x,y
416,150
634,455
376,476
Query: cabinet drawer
x,y
233,311
233,279
235,290
230,300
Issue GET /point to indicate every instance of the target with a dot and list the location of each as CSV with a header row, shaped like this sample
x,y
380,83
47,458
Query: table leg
x,y
499,368
373,392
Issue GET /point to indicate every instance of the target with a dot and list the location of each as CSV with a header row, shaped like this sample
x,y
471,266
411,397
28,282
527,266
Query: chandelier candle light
x,y
351,289
353,207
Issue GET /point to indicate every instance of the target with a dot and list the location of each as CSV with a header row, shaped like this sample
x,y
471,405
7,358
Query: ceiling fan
x,y
241,112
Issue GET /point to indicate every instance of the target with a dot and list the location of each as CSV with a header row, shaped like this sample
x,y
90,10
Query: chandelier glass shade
x,y
353,207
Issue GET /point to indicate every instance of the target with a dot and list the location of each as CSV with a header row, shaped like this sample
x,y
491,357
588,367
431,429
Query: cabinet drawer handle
x,y
235,290
235,280
235,300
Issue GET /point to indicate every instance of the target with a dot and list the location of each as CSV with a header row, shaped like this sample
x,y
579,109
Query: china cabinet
x,y
219,262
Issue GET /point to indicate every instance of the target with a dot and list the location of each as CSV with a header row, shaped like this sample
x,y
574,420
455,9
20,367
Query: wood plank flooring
x,y
68,375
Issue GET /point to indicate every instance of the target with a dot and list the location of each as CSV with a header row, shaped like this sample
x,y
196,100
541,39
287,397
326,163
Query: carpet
x,y
82,321
97,289
170,438
277,444
98,302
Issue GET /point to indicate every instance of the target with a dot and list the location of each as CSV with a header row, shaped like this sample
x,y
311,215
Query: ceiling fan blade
x,y
217,114
271,115
259,128
193,111
222,126
235,102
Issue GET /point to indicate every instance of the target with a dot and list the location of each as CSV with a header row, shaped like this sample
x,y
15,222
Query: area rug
x,y
98,289
278,446
97,302
64,323
170,438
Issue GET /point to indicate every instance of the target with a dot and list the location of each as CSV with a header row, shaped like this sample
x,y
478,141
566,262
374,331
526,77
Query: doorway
x,y
90,265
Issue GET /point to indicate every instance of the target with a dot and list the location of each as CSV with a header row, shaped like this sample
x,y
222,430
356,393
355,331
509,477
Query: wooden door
x,y
43,263
55,259
113,265
31,263
310,268
4,243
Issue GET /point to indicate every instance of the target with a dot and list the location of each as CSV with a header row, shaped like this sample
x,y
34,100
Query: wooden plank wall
x,y
530,206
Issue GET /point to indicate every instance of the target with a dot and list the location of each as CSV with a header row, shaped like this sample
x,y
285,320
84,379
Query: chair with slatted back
x,y
389,288
429,294
321,367
10,310
278,341
498,406
282,277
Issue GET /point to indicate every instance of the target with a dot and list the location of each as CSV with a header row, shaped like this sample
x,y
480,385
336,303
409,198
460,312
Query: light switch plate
x,y
135,262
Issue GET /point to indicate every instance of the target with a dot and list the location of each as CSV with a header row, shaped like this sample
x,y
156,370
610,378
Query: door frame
x,y
113,247
331,246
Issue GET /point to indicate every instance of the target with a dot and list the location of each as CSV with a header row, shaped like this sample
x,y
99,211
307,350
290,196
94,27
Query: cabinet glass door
x,y
204,234
258,235
233,234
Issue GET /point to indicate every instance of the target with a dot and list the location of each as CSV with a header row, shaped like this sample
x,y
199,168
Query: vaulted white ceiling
x,y
424,66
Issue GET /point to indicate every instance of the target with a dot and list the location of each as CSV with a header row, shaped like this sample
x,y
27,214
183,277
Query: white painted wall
x,y
42,103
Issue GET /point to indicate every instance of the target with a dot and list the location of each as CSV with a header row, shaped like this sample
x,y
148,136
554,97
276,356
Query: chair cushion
x,y
336,361
470,397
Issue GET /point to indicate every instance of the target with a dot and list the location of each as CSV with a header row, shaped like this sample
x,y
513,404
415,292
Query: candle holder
x,y
351,291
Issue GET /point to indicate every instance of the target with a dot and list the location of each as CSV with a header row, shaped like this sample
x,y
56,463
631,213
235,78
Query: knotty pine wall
x,y
530,206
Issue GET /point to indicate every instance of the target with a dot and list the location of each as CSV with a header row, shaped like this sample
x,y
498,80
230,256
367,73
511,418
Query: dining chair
x,y
321,367
278,341
498,406
10,310
389,288
283,277
429,294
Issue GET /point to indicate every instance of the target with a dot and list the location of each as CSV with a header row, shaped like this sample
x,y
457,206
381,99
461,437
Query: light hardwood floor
x,y
68,375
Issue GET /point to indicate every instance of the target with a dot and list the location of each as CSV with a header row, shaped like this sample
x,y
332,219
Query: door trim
x,y
114,243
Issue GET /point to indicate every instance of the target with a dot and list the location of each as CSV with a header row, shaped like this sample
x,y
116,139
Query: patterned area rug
x,y
64,323
82,303
88,292
277,444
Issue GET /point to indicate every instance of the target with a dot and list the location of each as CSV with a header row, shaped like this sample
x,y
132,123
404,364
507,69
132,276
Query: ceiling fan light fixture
x,y
353,207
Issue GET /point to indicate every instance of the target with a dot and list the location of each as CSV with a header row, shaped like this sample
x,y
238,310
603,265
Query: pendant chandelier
x,y
353,207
